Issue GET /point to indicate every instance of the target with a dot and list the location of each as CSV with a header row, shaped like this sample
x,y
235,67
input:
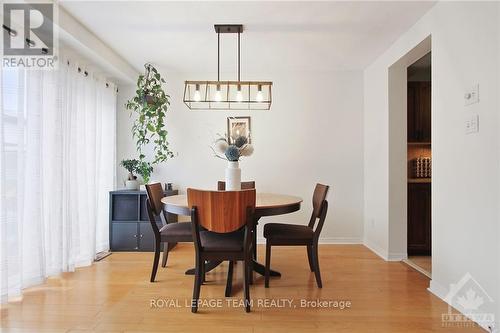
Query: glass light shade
x,y
259,97
239,95
218,95
197,95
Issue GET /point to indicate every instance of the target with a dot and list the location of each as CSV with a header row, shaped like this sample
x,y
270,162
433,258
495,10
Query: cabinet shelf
x,y
419,143
419,180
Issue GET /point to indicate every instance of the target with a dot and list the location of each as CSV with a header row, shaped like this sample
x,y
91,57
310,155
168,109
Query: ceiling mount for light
x,y
228,28
228,95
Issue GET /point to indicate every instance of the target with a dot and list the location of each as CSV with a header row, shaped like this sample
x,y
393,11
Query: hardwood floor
x,y
115,295
423,262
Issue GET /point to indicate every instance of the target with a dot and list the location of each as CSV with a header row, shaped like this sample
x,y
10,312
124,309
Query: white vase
x,y
132,185
233,176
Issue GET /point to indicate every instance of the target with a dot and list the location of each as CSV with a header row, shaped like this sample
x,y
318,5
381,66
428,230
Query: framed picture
x,y
238,126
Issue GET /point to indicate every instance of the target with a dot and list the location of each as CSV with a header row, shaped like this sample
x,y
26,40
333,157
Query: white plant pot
x,y
233,176
132,185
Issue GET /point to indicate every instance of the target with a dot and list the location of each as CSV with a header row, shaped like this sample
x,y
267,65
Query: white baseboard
x,y
327,240
397,256
382,253
377,250
438,290
340,240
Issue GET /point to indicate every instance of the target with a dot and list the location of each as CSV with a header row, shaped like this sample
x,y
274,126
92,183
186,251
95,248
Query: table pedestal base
x,y
261,269
257,267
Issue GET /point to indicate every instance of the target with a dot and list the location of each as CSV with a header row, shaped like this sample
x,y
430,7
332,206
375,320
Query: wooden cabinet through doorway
x,y
419,111
419,219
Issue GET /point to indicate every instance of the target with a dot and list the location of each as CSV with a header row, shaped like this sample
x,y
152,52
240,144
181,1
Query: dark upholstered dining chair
x,y
221,185
307,235
227,221
170,233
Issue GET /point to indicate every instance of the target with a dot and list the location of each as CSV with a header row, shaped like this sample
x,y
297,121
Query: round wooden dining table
x,y
267,204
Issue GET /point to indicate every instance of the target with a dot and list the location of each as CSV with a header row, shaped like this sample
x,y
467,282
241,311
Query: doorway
x,y
419,165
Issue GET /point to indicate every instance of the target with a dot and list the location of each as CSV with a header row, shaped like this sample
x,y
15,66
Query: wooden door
x,y
124,237
419,219
146,237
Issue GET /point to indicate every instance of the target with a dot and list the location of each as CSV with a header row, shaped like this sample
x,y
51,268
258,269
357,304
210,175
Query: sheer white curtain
x,y
57,163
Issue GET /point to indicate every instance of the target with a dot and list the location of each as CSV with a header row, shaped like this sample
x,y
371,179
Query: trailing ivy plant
x,y
150,104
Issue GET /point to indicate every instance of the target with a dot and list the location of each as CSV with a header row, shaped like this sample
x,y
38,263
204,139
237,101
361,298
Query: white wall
x,y
313,133
466,177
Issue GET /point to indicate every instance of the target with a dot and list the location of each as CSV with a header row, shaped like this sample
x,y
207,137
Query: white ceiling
x,y
281,36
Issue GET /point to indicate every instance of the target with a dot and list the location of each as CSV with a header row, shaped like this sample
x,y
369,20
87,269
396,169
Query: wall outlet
x,y
472,124
472,95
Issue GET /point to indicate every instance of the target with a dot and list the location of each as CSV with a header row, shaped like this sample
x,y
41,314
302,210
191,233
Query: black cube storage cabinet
x,y
129,226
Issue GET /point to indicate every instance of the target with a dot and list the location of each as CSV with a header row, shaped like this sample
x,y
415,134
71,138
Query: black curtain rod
x,y
86,74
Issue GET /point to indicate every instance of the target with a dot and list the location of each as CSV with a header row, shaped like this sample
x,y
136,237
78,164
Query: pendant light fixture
x,y
228,95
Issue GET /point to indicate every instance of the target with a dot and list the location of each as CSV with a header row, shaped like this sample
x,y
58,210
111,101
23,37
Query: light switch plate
x,y
472,95
472,124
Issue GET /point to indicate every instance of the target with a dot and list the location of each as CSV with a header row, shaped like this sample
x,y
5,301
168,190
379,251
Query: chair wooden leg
x,y
310,257
155,260
250,272
268,264
229,283
254,242
197,285
316,265
166,248
203,271
247,284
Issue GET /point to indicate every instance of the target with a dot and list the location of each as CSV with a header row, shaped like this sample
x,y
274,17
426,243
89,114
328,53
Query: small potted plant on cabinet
x,y
131,166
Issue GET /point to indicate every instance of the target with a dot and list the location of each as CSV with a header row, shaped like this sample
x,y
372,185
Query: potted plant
x,y
131,166
150,105
232,153
148,93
